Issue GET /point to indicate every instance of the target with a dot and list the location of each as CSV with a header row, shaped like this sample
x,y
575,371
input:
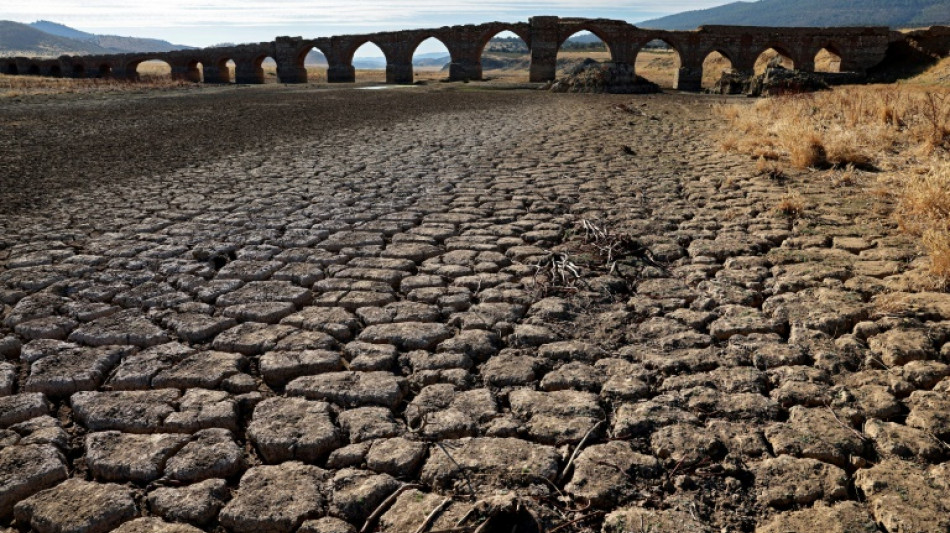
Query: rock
x,y
639,519
843,517
640,419
335,321
163,410
26,470
397,457
136,371
123,328
817,434
571,351
205,370
778,81
785,480
70,368
266,291
197,504
509,369
828,310
365,357
197,328
487,460
212,453
903,441
594,77
276,499
407,335
280,367
574,376
351,388
902,498
154,525
356,493
77,506
560,417
368,423
251,338
606,474
686,444
285,429
898,347
21,407
327,524
411,509
930,411
115,456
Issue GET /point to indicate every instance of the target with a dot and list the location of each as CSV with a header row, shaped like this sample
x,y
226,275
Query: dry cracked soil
x,y
443,309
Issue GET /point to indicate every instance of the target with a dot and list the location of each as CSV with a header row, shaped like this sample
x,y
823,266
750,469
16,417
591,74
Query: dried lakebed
x,y
447,310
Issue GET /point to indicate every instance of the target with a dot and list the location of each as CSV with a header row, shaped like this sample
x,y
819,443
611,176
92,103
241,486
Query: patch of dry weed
x,y
893,128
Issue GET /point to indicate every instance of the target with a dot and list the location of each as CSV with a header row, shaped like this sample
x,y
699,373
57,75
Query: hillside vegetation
x,y
821,13
48,39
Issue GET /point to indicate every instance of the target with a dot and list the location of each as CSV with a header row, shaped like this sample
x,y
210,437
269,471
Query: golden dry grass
x,y
896,129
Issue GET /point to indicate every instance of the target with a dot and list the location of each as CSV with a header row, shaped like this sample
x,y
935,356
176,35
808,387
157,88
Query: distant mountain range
x,y
821,13
49,39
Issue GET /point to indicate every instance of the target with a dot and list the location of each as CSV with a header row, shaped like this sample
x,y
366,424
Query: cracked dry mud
x,y
359,319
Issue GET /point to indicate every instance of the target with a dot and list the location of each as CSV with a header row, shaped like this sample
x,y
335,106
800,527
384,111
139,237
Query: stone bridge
x,y
858,49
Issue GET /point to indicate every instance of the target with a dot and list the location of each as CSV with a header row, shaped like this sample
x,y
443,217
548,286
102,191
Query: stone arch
x,y
194,71
226,67
349,52
79,70
659,65
33,69
55,71
494,31
105,71
572,30
261,69
157,71
418,43
828,58
309,67
11,69
381,69
769,52
510,57
716,62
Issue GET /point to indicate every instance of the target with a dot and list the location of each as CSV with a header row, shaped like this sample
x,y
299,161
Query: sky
x,y
210,22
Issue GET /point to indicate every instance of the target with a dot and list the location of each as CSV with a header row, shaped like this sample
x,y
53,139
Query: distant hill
x,y
821,13
50,39
23,40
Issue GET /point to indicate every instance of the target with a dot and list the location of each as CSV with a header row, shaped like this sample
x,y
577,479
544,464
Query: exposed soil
x,y
451,309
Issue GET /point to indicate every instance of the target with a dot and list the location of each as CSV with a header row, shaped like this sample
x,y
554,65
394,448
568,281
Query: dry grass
x,y
896,128
792,205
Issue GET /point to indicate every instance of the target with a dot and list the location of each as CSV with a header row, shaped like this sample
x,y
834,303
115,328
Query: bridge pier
x,y
216,74
689,78
465,70
291,74
341,74
399,73
248,74
544,47
186,73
